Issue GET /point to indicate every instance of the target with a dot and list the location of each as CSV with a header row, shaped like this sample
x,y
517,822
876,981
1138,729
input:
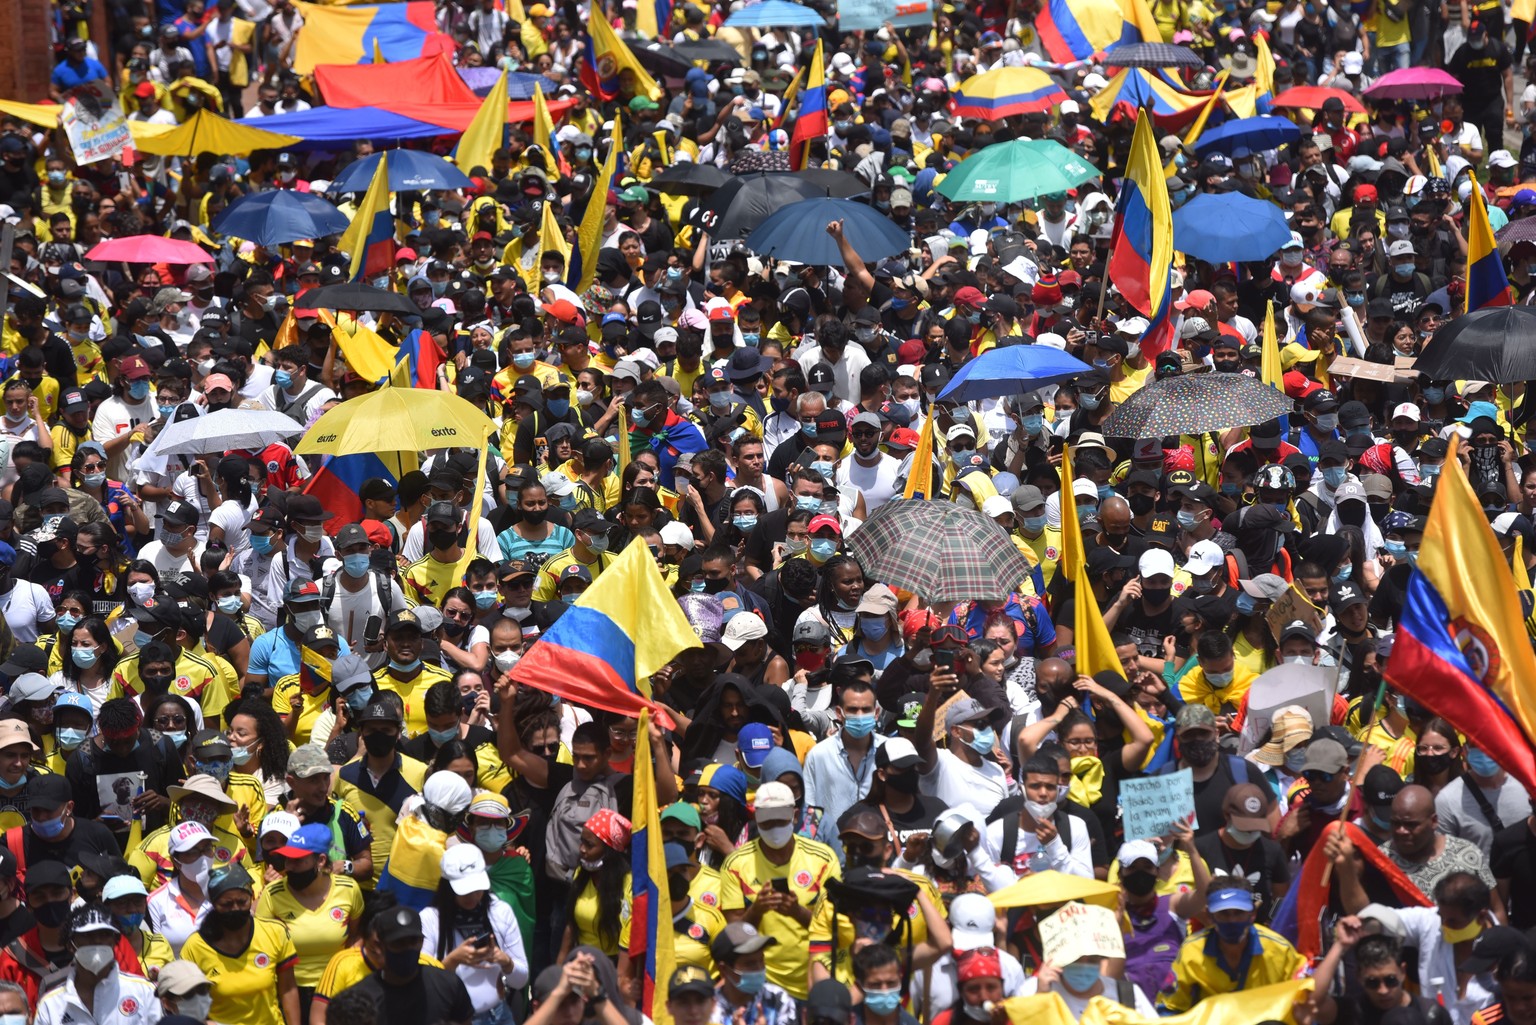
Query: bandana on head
x,y
611,828
980,963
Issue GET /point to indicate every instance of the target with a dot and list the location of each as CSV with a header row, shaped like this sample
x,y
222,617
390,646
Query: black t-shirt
x,y
1481,72
1263,864
18,922
1210,793
916,819
1360,1011
436,995
223,633
88,837
1514,858
1148,628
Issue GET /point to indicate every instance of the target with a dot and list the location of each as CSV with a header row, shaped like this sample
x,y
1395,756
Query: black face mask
x,y
52,914
1198,753
301,880
402,964
1155,595
534,517
1432,765
716,586
155,685
231,921
902,782
379,744
1139,884
1141,504
442,538
677,885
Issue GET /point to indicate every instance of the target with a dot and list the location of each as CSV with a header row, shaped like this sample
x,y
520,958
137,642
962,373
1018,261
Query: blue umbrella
x,y
1247,136
282,215
1229,226
799,232
519,84
769,13
1012,370
410,170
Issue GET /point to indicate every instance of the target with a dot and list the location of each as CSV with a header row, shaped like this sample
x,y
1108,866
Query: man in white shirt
x,y
847,361
292,392
868,469
962,772
354,593
120,419
117,998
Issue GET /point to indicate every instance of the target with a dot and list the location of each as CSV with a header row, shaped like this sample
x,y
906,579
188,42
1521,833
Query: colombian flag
x,y
603,650
650,917
354,34
811,122
607,56
337,483
314,670
1095,650
1141,248
417,364
1486,283
1461,646
415,863
1076,29
1299,916
653,17
370,238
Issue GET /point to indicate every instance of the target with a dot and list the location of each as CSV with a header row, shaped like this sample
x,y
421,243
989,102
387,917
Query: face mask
x,y
177,738
441,737
1291,257
1355,298
858,726
777,837
1297,660
1155,595
1232,932
490,838
984,740
808,504
1141,504
1327,421
1402,270
1033,524
66,622
823,548
752,983
95,958
130,923
1432,765
138,391
1079,978
744,523
261,544
195,1007
402,963
197,871
166,409
1396,549
68,738
379,744
1434,396
405,667
1219,680
1089,402
1040,812
282,378
141,593
1139,884
977,1012
524,360
355,565
598,543
93,480
1246,603
505,660
50,829
306,621
584,397
1294,760
1198,753
874,629
52,914
1243,837
1481,764
1467,932
826,470
1333,476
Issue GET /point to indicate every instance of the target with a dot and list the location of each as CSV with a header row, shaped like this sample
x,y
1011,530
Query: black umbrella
x,y
690,178
839,184
1152,55
358,297
746,201
715,51
1490,344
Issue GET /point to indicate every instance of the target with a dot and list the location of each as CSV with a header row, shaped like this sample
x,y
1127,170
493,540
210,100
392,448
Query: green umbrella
x,y
1010,172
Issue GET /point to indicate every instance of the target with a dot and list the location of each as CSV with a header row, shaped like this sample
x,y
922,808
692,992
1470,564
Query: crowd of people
x,y
265,764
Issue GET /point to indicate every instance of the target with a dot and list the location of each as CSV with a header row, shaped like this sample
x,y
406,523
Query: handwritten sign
x,y
1150,806
868,15
94,123
1289,607
1080,930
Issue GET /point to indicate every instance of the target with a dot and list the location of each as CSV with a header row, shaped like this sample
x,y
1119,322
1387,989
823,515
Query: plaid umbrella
x,y
761,160
1152,55
1194,404
1522,230
939,551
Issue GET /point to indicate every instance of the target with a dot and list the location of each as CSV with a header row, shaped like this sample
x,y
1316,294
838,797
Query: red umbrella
x,y
148,249
1311,97
1414,84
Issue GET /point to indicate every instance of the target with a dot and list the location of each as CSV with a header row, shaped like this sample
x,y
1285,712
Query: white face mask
x,y
141,593
505,660
777,837
1040,812
197,871
196,1007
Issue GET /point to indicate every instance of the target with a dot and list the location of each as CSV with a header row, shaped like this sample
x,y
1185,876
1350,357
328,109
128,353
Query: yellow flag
x,y
369,356
1072,551
589,237
1193,135
1517,565
920,470
623,454
1264,1003
543,131
484,134
1269,365
1095,649
1264,71
476,503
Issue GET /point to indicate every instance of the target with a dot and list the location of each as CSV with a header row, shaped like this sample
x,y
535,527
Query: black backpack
x,y
1007,811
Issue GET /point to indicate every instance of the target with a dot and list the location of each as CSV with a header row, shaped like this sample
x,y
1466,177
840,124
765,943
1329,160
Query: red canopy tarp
x,y
426,89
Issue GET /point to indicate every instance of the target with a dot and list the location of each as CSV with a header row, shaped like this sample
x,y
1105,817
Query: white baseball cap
x,y
1155,562
1204,556
677,533
1133,851
972,922
995,506
741,629
464,868
187,835
1407,409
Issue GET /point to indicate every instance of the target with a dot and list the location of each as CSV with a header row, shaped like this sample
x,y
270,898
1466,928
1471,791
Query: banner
x,y
869,15
94,123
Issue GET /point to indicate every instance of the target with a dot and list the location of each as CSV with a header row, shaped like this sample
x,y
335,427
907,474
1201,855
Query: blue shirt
x,y
66,76
275,655
833,785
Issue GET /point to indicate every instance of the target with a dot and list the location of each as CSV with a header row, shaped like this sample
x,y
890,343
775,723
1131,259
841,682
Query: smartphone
x,y
780,884
944,658
483,940
372,629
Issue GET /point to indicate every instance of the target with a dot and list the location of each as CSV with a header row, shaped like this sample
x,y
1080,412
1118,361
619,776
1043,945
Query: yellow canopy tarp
x,y
207,132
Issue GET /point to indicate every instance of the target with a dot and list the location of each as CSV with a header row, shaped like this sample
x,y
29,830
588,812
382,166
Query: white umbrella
x,y
221,431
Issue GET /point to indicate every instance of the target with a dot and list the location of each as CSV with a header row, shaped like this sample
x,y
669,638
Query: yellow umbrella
x,y
1049,887
207,132
397,420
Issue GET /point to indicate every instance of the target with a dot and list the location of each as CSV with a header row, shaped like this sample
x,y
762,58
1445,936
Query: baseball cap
x,y
464,868
1324,755
972,921
739,938
754,740
774,797
1246,807
966,710
314,838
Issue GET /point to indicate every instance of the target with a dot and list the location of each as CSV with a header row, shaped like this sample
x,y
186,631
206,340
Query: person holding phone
x,y
474,933
971,768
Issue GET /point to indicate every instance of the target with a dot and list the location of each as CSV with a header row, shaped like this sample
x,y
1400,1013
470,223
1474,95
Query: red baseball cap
x,y
482,235
566,312
968,296
1365,193
824,522
134,367
377,533
144,90
1199,299
911,351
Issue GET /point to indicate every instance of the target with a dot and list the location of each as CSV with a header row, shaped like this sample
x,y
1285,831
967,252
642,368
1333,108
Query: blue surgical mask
x,y
83,657
1246,603
1105,491
405,667
558,407
1396,549
1229,488
697,587
857,726
823,548
744,523
882,1001
524,360
1032,423
1232,932
1434,396
1219,679
639,418
984,741
751,338
69,738
355,565
1333,476
826,469
48,829
1186,519
874,629
1343,574
261,544
1090,402
230,605
138,391
485,599
809,430
177,738
130,922
66,622
1080,977
1402,270
752,983
1480,763
282,378
93,480
807,503
441,737
167,409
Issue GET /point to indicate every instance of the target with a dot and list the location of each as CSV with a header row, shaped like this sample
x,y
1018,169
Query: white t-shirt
x,y
480,980
168,916
232,518
878,482
114,416
349,610
168,562
953,782
27,608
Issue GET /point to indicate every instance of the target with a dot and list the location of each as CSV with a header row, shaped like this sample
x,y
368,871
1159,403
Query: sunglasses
x,y
545,749
1319,777
1383,982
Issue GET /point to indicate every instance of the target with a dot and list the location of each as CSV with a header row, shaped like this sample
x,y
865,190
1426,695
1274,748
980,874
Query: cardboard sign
x,y
94,123
1308,687
1360,369
1289,607
1080,930
868,15
1150,806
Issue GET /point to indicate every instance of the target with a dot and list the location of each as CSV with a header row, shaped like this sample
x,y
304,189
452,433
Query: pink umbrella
x,y
148,249
1413,84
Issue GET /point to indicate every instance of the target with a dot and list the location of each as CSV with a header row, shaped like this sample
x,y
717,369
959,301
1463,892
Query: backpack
x,y
381,592
1007,811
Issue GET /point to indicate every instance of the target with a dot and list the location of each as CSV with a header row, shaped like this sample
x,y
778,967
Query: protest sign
x,y
94,123
1080,930
868,15
1307,687
1289,607
1150,806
